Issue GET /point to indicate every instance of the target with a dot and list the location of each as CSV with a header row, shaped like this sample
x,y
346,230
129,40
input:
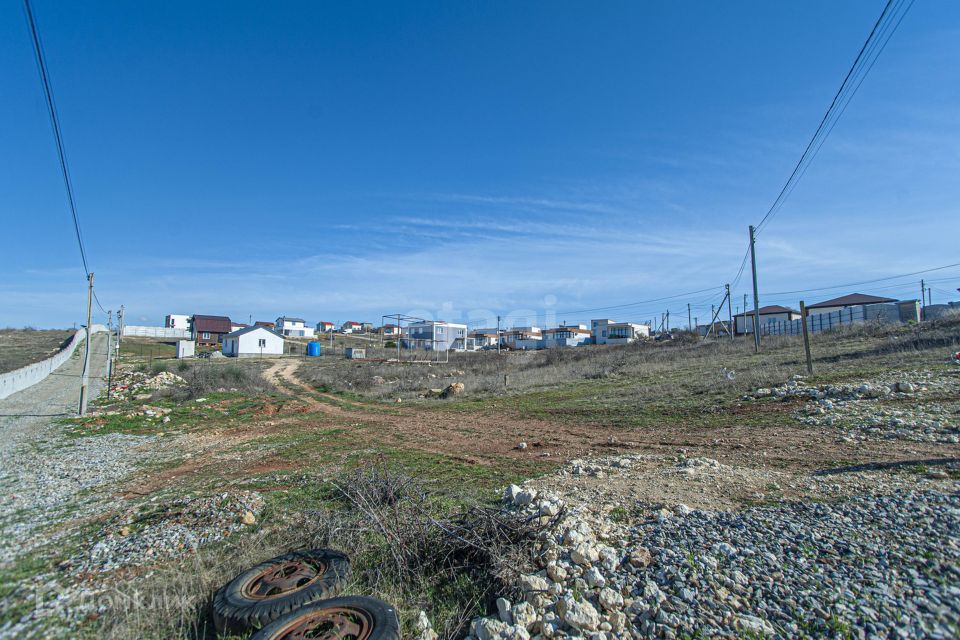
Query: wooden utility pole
x,y
85,379
806,335
729,313
756,293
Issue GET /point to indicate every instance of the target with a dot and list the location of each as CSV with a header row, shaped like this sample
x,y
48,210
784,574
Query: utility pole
x,y
119,330
109,351
85,379
668,320
689,326
729,313
923,294
498,334
806,336
756,293
929,295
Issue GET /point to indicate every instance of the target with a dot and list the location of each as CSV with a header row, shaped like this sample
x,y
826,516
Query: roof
x,y
262,323
241,332
770,310
212,324
571,329
325,322
289,319
352,323
851,299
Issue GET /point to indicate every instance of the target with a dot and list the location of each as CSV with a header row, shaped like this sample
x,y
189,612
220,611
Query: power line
x,y
55,123
634,304
841,99
854,284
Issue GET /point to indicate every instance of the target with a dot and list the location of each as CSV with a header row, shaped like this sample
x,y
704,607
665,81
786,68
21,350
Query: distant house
x,y
252,341
263,323
522,338
351,327
606,331
236,326
208,330
565,337
743,322
293,327
366,327
843,302
484,337
390,330
325,327
435,335
177,321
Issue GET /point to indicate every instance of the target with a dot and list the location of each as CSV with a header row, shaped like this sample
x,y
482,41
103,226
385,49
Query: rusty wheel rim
x,y
333,623
283,577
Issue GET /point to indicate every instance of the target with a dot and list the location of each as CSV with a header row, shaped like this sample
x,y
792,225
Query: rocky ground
x,y
920,406
880,563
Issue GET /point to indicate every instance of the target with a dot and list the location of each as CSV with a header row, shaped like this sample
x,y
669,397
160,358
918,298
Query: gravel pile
x,y
882,566
901,406
139,537
132,384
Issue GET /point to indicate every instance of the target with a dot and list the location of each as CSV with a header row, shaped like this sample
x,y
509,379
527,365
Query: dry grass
x,y
659,370
20,347
205,376
408,545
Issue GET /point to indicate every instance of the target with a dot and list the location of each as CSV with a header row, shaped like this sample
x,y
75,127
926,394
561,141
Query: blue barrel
x,y
313,349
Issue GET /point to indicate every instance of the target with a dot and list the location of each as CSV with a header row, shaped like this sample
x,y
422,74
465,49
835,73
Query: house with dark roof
x,y
743,322
208,330
843,302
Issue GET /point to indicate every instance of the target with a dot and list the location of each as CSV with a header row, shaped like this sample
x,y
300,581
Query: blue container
x,y
313,349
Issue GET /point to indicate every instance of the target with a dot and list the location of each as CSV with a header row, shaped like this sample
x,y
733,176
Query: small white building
x,y
606,331
178,321
565,337
252,341
771,314
351,327
325,327
293,327
435,335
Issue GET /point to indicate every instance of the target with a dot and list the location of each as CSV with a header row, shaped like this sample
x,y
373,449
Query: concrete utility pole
x,y
119,329
109,351
688,318
85,379
498,334
756,293
923,294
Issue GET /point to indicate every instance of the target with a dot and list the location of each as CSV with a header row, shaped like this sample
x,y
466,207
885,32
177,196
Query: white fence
x,y
20,379
155,332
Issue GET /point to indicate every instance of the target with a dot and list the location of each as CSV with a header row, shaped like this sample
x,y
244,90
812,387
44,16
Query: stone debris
x,y
138,385
918,406
885,564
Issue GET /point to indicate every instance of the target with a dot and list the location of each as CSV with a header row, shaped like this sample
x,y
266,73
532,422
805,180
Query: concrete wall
x,y
20,379
155,332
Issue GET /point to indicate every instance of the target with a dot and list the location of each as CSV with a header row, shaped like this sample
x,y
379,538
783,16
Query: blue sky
x,y
345,160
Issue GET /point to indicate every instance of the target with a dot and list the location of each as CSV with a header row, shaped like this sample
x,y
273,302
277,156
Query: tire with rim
x,y
345,618
278,586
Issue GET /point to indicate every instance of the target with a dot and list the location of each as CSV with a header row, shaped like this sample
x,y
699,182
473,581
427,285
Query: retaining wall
x,y
20,379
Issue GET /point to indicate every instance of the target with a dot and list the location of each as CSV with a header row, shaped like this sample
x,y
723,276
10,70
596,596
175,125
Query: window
x,y
205,335
263,343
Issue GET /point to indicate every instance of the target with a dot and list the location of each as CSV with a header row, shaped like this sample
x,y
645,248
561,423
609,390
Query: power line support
x,y
729,313
498,335
689,324
756,293
806,336
109,351
85,379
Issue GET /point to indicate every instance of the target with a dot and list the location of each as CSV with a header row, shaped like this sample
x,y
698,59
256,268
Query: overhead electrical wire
x,y
58,136
862,64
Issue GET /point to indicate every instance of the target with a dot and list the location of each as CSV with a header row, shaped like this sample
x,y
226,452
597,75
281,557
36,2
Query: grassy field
x,y
301,431
20,347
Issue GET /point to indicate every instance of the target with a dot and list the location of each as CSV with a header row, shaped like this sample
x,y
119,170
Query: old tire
x,y
345,618
278,586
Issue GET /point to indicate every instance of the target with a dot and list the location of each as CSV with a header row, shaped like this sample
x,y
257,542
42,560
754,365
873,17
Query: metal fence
x,y
20,379
820,322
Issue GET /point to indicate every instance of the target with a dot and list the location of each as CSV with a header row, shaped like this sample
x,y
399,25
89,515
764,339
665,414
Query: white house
x,y
606,331
293,328
484,337
325,327
435,335
178,321
743,322
522,338
351,327
565,337
252,341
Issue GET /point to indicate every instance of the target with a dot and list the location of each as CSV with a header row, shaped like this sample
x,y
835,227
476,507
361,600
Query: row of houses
x,y
209,330
442,335
854,307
